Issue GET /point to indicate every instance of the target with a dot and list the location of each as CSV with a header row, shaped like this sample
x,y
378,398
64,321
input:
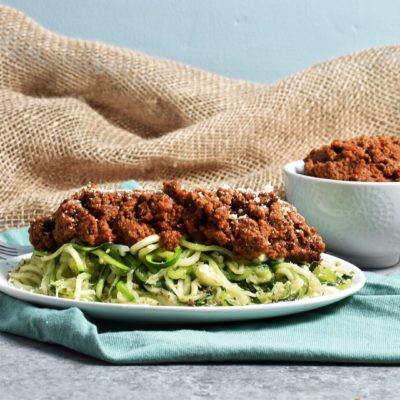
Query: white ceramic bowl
x,y
359,221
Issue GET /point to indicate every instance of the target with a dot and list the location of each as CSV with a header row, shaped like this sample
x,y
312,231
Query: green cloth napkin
x,y
362,329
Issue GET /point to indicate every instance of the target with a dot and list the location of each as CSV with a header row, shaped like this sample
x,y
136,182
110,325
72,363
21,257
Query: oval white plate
x,y
132,312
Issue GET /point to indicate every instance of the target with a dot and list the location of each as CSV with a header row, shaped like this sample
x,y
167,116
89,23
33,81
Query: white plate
x,y
132,312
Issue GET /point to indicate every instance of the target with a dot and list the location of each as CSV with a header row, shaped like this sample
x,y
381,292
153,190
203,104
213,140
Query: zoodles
x,y
193,274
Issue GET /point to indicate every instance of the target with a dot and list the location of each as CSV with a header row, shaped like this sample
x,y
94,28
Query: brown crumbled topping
x,y
366,159
248,223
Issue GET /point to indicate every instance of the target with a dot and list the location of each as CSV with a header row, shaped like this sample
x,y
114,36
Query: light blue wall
x,y
258,40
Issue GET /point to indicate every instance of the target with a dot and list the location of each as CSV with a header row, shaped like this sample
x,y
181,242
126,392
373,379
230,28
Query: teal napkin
x,y
362,329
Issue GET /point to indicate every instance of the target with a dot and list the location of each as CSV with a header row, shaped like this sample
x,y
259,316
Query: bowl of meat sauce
x,y
350,191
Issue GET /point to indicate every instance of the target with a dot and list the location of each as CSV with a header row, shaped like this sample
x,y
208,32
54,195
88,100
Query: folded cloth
x,y
362,329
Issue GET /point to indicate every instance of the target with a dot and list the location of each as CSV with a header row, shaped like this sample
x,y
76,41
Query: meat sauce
x,y
246,222
365,159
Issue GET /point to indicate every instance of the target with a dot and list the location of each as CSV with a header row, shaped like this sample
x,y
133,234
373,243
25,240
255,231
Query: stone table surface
x,y
33,370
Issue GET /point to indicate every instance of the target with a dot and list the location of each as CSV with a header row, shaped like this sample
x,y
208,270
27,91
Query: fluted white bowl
x,y
359,221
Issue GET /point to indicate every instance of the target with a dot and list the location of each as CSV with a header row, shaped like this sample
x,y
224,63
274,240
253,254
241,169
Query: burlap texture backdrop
x,y
74,111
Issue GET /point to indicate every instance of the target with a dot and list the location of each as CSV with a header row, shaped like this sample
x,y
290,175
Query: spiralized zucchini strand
x,y
194,274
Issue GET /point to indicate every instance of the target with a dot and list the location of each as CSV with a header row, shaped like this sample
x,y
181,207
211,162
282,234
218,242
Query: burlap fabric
x,y
74,111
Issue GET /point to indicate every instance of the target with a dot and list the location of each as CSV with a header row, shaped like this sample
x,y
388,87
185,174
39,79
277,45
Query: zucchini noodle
x,y
192,275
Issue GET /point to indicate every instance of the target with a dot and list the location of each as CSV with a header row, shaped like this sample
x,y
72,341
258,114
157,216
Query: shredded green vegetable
x,y
193,274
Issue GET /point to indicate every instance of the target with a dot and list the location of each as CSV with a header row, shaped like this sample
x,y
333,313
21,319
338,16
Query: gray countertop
x,y
33,370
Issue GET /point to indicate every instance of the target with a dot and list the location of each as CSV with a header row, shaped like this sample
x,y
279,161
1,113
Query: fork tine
x,y
11,250
8,251
7,246
14,246
8,254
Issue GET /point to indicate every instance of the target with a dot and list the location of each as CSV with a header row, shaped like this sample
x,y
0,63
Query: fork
x,y
13,250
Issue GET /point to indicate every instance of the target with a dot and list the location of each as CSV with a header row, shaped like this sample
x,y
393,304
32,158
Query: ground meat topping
x,y
248,223
367,159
